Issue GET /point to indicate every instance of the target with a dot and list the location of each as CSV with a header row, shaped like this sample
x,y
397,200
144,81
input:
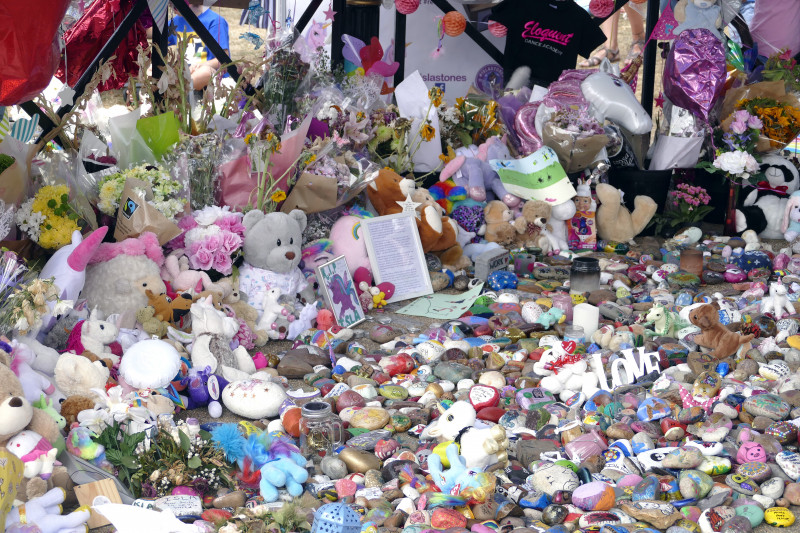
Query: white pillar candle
x,y
588,317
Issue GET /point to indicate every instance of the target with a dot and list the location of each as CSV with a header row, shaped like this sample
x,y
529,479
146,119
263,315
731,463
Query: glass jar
x,y
584,276
574,333
692,261
320,430
563,301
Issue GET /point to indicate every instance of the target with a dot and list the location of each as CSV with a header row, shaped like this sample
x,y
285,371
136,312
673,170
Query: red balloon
x,y
29,52
454,23
406,7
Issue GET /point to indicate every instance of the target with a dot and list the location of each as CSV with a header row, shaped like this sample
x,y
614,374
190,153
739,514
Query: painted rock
x,y
683,458
712,519
370,418
659,514
447,518
779,517
254,398
653,409
768,405
647,489
714,466
784,431
741,484
393,392
554,514
694,484
737,524
751,451
773,488
758,472
789,463
753,513
481,396
550,478
594,496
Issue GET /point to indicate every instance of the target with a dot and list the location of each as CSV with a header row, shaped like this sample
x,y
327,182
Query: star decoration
x,y
409,206
660,101
329,13
67,95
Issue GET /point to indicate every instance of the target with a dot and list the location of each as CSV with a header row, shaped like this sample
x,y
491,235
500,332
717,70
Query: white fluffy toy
x,y
480,448
565,373
777,302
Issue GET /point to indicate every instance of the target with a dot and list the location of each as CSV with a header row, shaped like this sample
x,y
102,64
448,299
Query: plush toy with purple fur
x,y
471,169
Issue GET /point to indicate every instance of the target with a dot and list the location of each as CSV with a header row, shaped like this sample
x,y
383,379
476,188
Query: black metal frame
x,y
160,41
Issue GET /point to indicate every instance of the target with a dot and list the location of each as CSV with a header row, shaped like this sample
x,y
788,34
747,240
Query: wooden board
x,y
104,491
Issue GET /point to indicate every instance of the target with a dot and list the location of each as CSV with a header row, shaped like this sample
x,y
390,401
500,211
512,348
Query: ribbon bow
x,y
765,186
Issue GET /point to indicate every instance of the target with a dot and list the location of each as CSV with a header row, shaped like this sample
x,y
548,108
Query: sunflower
x,y
427,132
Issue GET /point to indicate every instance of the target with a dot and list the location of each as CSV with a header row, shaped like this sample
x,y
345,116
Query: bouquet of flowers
x,y
48,218
780,121
686,205
212,239
783,67
165,190
28,304
576,137
471,121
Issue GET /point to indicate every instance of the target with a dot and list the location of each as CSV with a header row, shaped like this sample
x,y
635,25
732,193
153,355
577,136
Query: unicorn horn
x,y
440,407
83,253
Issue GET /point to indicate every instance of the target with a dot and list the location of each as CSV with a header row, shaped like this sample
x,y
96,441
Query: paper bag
x,y
676,152
574,154
413,103
127,143
237,185
14,179
136,216
312,194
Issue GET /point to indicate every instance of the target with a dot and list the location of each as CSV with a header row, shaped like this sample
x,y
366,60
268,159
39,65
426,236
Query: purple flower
x,y
755,123
741,116
738,127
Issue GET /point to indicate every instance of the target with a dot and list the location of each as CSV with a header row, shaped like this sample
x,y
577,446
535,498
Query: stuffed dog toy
x,y
722,341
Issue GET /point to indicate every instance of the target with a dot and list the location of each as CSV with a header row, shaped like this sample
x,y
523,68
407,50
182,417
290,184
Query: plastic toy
x,y
480,448
468,485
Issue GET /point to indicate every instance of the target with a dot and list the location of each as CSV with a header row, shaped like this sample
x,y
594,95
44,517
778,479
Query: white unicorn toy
x,y
213,332
777,302
480,448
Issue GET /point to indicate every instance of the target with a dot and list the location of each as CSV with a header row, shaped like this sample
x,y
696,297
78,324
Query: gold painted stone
x,y
359,460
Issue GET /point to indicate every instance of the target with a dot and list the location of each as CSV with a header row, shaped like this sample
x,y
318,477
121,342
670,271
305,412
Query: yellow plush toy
x,y
614,221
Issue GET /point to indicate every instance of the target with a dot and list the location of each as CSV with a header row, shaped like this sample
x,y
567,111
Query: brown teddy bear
x,y
16,415
532,224
91,356
437,233
153,326
499,227
244,311
614,221
722,341
73,405
453,258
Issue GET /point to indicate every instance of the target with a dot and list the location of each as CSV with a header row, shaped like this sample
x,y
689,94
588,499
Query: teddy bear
x,y
761,208
532,226
34,384
17,415
213,331
96,336
614,221
436,233
565,372
272,256
176,271
694,14
153,326
119,274
73,405
499,227
452,258
243,311
76,374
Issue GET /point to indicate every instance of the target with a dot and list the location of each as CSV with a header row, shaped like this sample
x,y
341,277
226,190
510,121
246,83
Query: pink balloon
x,y
525,125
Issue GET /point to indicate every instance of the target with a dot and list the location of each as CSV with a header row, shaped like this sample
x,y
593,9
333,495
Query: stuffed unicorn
x,y
480,448
213,331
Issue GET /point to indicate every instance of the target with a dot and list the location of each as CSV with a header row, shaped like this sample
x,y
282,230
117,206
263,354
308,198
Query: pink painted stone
x,y
481,396
751,452
631,480
345,487
447,518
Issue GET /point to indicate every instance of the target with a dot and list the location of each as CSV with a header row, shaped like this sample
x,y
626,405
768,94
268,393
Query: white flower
x,y
62,306
22,324
95,420
737,163
210,214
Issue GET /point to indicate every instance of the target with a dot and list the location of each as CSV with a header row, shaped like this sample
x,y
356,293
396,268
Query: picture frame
x,y
396,255
339,290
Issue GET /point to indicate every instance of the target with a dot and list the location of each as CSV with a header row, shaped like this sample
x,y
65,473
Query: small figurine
x,y
582,228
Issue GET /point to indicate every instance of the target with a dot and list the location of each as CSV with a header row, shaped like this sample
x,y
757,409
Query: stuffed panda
x,y
762,208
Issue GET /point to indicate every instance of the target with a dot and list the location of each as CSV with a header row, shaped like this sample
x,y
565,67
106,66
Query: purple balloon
x,y
694,74
525,126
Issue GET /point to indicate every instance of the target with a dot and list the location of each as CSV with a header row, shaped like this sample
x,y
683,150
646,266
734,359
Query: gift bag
x,y
136,216
14,179
237,185
676,152
312,194
29,52
160,132
574,153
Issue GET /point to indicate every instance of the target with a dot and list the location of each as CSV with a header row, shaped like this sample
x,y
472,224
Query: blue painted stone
x,y
683,299
502,279
647,489
653,409
534,500
752,260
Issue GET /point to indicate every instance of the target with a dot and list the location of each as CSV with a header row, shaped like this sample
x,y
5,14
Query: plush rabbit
x,y
791,217
213,331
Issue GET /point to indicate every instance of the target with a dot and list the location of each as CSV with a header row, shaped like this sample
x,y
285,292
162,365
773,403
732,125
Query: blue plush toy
x,y
459,485
274,455
550,318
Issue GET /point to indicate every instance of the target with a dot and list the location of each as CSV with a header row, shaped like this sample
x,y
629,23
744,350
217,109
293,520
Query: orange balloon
x,y
454,23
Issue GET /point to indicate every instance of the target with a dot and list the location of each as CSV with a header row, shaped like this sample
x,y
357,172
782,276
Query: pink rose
x,y
755,123
213,242
196,245
741,116
230,242
223,263
231,223
187,222
202,259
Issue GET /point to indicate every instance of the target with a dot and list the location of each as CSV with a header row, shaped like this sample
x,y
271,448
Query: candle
x,y
588,317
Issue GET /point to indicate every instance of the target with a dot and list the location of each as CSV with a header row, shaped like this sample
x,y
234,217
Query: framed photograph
x,y
396,256
339,291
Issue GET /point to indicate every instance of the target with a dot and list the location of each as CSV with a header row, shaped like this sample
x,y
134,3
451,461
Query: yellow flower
x,y
278,196
449,156
435,94
45,194
427,132
278,147
248,138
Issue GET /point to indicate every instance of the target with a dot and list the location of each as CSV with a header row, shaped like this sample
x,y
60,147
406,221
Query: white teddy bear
x,y
276,317
565,373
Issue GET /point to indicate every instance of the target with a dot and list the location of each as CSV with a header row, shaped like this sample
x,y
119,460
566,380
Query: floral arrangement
x,y
48,218
164,188
686,205
783,67
470,121
262,519
780,121
578,122
13,274
735,148
177,457
212,239
26,306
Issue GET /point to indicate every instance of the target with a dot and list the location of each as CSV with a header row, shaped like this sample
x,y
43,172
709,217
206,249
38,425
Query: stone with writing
x,y
789,462
481,396
768,405
713,519
779,517
656,513
683,458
